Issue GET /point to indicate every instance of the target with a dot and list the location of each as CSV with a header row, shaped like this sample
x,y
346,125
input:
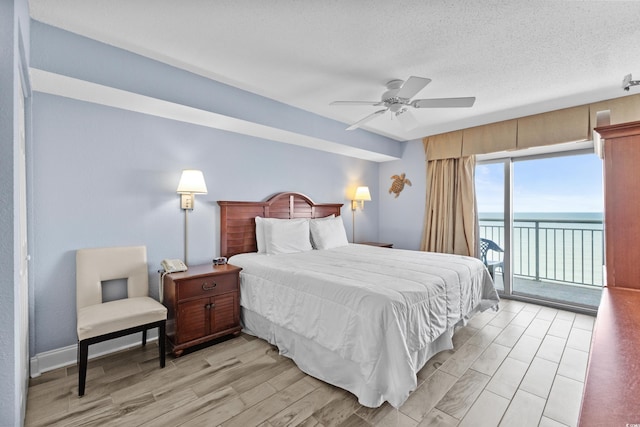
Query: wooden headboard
x,y
237,219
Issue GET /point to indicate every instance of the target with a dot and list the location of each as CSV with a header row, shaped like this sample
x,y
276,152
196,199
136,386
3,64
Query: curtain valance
x,y
553,127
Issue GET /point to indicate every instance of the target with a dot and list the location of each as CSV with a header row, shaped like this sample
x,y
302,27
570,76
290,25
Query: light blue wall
x,y
62,52
104,176
7,139
14,28
401,218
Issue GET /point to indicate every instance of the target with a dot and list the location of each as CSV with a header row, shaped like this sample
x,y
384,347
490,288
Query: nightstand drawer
x,y
207,286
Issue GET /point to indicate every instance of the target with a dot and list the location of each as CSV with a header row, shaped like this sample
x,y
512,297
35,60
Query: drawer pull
x,y
207,287
209,306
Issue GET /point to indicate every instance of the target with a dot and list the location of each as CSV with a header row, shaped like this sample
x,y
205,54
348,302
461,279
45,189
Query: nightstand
x,y
380,245
203,303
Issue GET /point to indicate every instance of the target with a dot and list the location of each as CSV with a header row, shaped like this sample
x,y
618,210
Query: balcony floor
x,y
563,292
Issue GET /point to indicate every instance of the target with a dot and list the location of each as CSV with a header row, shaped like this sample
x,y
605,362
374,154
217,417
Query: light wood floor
x,y
524,365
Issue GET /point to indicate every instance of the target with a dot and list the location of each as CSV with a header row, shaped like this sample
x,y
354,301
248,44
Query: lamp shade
x,y
192,181
362,193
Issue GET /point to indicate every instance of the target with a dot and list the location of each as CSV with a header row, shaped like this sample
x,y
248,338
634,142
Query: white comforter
x,y
374,306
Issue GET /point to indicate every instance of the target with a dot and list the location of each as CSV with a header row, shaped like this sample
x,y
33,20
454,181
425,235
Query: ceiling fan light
x,y
406,119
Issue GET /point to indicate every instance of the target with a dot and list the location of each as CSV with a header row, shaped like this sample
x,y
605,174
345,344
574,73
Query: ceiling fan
x,y
397,99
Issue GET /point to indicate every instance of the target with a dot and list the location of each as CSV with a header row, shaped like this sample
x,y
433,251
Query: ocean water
x,y
562,216
557,246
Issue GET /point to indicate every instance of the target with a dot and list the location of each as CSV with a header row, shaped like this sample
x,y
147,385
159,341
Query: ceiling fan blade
x,y
356,103
444,102
366,119
406,119
412,86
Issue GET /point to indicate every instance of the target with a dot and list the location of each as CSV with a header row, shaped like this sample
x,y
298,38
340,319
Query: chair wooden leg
x,y
83,355
83,347
161,343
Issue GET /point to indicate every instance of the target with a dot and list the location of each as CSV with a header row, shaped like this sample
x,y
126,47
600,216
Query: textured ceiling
x,y
516,57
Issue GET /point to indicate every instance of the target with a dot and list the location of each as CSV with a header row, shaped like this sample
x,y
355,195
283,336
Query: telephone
x,y
173,265
168,266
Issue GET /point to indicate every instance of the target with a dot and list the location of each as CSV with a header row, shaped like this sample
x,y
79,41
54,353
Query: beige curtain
x,y
451,213
450,223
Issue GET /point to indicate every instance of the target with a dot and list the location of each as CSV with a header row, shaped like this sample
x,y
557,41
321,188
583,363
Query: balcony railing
x,y
569,251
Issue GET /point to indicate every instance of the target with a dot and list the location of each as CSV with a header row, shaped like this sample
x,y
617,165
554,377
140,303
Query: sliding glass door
x,y
545,211
490,190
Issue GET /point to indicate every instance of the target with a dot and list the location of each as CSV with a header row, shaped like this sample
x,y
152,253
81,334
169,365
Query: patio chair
x,y
487,245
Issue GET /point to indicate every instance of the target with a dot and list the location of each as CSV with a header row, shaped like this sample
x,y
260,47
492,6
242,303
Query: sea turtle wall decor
x,y
398,184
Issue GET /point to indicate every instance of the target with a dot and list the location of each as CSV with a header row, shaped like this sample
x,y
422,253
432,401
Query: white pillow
x,y
328,233
286,237
262,249
260,227
313,244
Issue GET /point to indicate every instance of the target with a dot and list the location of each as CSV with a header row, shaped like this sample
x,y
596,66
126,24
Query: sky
x,y
558,184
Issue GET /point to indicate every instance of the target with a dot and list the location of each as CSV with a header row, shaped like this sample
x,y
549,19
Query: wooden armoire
x,y
622,203
611,394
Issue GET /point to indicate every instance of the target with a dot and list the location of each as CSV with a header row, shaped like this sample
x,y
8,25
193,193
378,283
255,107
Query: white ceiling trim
x,y
69,87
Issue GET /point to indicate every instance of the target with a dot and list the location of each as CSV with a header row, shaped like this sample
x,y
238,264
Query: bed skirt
x,y
321,363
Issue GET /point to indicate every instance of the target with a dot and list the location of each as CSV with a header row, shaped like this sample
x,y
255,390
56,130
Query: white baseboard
x,y
67,356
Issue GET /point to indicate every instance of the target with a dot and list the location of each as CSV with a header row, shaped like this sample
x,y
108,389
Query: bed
x,y
360,317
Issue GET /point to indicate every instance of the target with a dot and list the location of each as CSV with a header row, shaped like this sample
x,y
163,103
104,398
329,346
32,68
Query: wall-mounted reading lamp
x,y
362,195
191,183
